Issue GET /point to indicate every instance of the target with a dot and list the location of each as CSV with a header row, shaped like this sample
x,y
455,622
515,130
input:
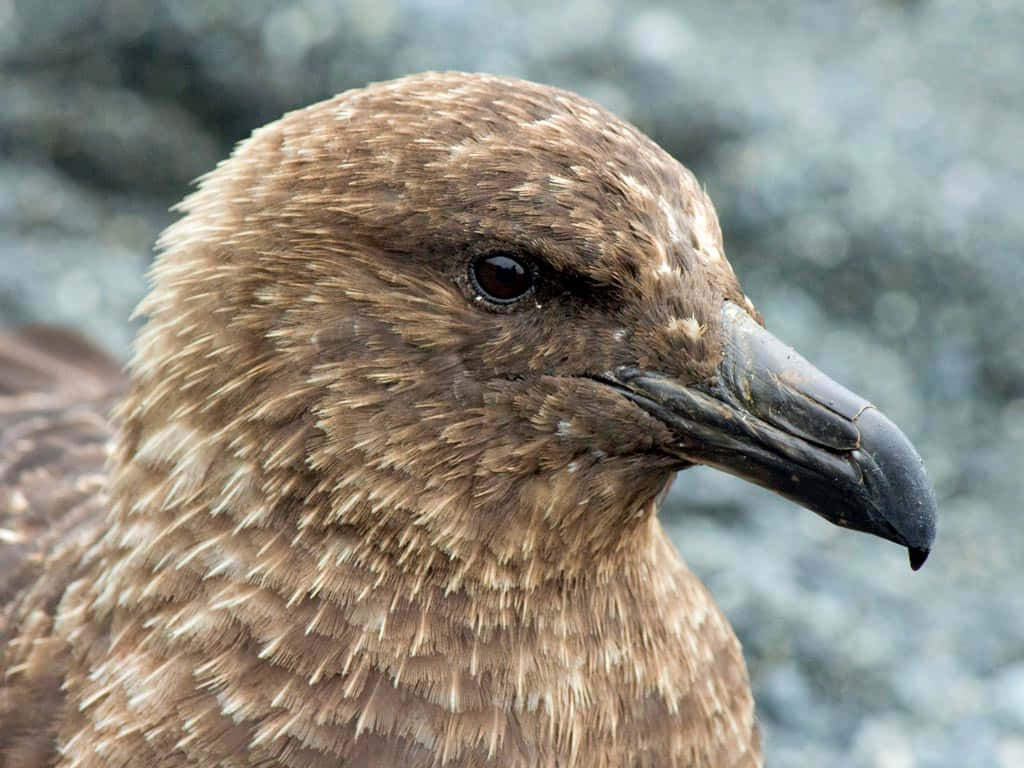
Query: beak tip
x,y
917,557
901,486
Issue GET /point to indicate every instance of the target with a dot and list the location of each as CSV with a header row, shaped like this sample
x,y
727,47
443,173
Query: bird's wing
x,y
56,390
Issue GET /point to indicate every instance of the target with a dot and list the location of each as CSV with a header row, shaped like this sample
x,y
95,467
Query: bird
x,y
379,485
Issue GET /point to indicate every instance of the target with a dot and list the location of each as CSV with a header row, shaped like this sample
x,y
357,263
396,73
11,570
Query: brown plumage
x,y
357,514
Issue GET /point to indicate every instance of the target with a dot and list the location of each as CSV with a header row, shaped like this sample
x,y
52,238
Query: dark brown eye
x,y
501,277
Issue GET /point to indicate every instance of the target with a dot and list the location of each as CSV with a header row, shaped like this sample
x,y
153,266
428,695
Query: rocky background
x,y
867,160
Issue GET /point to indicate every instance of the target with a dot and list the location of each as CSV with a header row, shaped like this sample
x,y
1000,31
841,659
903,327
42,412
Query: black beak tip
x,y
895,473
917,557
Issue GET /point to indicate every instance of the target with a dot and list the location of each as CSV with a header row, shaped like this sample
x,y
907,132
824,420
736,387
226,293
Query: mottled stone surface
x,y
867,168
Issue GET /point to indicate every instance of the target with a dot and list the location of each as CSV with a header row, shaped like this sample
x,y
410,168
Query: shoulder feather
x,y
56,390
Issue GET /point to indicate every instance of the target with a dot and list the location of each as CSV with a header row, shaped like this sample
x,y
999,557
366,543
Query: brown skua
x,y
419,363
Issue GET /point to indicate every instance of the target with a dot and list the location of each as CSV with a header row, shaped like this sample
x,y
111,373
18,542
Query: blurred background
x,y
867,160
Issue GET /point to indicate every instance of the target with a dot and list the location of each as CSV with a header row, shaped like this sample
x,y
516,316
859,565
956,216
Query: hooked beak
x,y
772,418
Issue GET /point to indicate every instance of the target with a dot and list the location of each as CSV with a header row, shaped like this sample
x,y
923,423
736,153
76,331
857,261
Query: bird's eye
x,y
501,278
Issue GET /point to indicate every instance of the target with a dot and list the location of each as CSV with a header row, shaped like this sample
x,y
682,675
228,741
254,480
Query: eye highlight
x,y
501,278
